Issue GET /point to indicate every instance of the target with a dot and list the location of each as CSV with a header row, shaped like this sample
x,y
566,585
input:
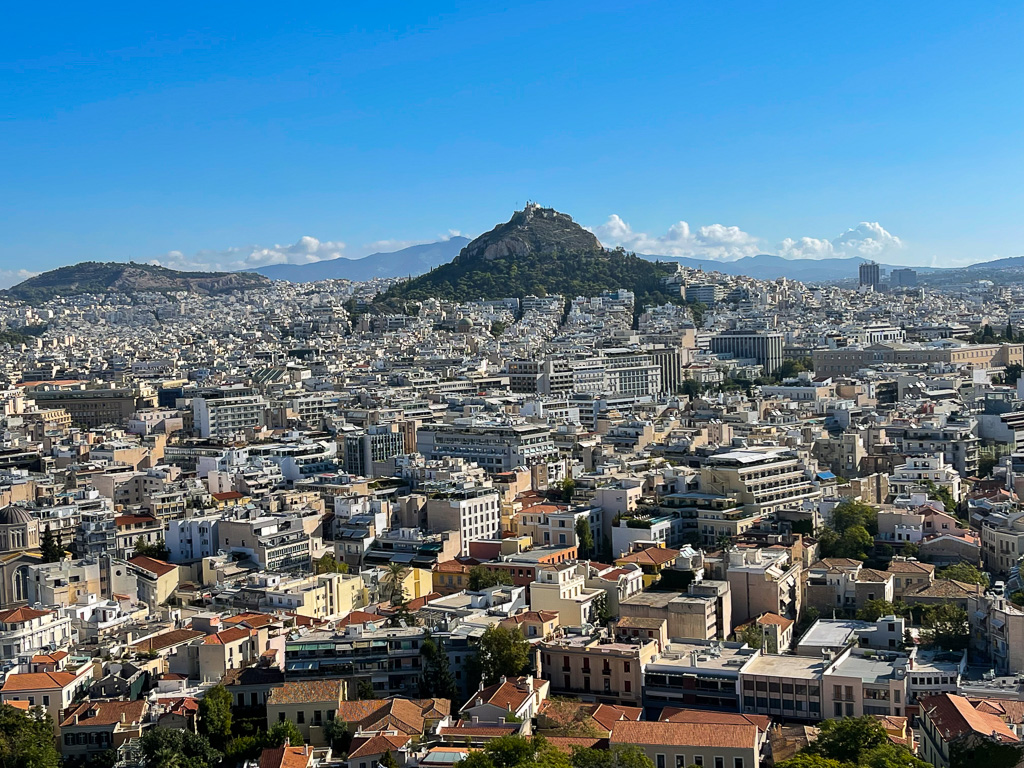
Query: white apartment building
x,y
562,588
475,513
915,475
225,414
27,630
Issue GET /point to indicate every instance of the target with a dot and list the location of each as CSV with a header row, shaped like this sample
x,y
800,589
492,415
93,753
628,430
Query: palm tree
x,y
167,757
392,580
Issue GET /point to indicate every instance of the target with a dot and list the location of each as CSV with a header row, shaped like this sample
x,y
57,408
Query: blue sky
x,y
221,136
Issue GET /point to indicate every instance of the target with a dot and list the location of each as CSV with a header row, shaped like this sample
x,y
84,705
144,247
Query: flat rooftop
x,y
769,665
870,669
662,599
831,633
678,656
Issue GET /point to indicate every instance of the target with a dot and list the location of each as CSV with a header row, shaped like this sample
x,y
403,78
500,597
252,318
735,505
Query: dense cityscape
x,y
533,384
299,524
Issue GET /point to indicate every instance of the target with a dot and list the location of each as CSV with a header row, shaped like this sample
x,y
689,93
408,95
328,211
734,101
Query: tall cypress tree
x,y
50,547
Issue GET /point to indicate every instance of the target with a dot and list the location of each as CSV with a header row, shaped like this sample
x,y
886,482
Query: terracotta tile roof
x,y
407,715
510,695
568,743
227,496
232,635
49,658
609,714
106,713
35,681
677,715
306,691
870,574
640,622
359,617
948,589
451,566
286,757
151,564
166,640
18,615
910,566
1006,710
953,717
684,734
365,746
650,556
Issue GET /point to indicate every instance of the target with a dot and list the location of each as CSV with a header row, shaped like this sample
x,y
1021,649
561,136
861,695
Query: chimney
x,y
124,717
476,719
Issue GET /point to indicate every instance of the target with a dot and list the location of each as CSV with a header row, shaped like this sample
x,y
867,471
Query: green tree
x,y
387,760
481,577
845,739
285,729
26,739
502,653
242,748
364,690
873,610
568,489
946,626
1012,373
497,328
890,755
328,564
339,735
942,494
584,538
436,679
50,547
850,513
215,715
965,572
911,549
165,747
855,542
157,550
1009,334
754,635
808,760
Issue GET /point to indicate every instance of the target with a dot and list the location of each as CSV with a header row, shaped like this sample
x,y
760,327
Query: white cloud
x,y
868,239
306,250
711,242
9,277
727,243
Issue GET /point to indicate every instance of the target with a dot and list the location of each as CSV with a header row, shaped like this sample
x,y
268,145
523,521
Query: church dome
x,y
14,515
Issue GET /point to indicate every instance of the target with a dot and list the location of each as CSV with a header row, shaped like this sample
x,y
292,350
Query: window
x,y
661,761
719,762
680,761
46,701
628,686
698,759
737,762
280,717
300,717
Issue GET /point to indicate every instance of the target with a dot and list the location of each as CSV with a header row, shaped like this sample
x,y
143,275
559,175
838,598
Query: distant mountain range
x,y
408,262
128,278
767,267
